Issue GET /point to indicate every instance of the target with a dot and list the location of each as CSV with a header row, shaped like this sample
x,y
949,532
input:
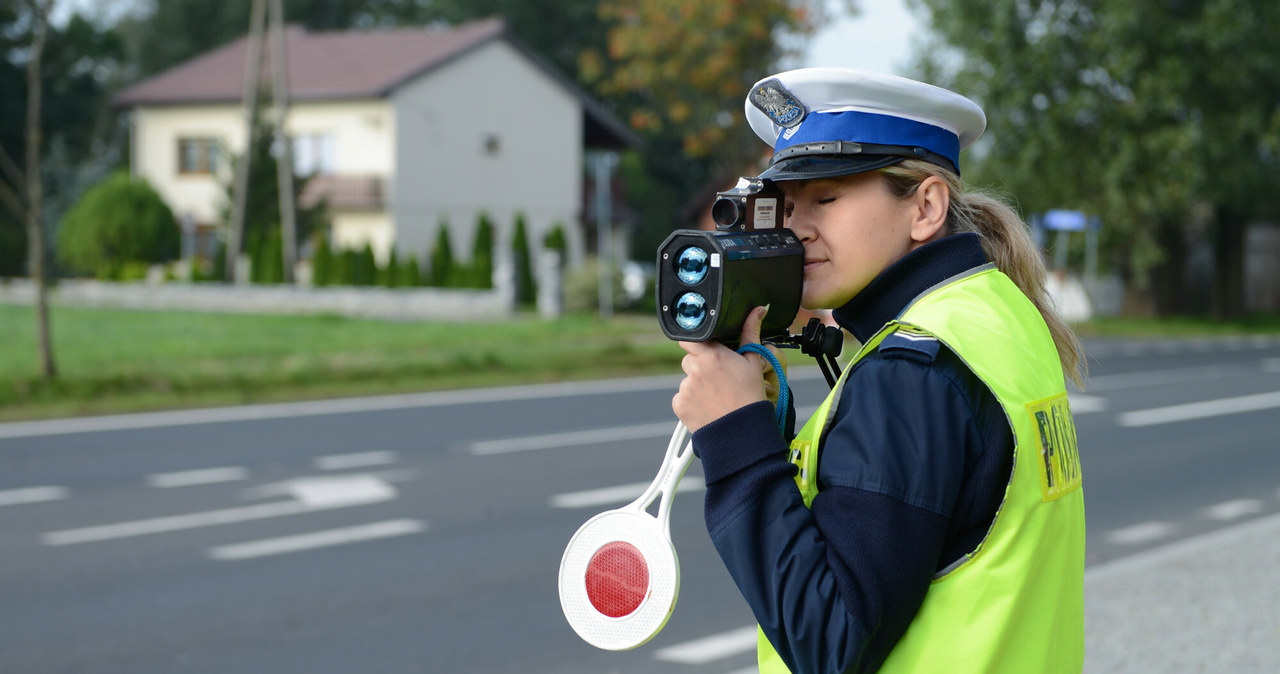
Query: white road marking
x,y
1163,377
593,436
1200,410
32,495
1141,533
310,495
358,460
1233,510
712,648
330,490
1152,560
1083,404
572,438
620,494
317,539
174,523
22,429
188,478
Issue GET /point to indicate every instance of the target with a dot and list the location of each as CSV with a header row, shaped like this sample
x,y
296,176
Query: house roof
x,y
352,65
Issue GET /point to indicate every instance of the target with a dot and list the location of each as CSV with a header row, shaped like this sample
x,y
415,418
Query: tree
x,y
1141,113
262,201
120,221
678,72
24,194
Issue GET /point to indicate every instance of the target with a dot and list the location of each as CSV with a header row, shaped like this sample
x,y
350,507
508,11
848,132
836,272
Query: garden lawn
x,y
116,360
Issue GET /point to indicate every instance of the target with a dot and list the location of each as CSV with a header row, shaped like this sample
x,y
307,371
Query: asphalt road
x,y
423,533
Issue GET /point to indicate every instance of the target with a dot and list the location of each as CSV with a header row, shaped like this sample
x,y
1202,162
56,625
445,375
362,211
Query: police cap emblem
x,y
778,104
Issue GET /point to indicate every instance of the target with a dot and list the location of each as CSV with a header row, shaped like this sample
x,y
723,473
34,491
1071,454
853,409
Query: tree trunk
x,y
35,232
1169,277
1229,254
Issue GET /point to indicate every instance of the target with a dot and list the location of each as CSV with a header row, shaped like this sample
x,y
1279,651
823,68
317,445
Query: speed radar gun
x,y
619,576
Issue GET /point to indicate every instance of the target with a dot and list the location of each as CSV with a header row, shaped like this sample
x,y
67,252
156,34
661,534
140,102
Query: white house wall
x,y
362,132
488,132
156,131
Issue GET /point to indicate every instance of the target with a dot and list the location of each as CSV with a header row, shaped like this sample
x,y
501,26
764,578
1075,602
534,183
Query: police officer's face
x,y
852,228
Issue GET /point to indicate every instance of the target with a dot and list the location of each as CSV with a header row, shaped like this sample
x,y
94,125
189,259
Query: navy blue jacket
x,y
912,471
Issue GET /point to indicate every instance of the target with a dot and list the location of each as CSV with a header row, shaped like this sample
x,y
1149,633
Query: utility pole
x,y
284,165
604,163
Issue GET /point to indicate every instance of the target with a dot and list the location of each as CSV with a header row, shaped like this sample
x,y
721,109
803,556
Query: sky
x,y
878,38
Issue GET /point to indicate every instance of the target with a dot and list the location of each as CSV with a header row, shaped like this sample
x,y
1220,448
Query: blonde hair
x,y
1007,243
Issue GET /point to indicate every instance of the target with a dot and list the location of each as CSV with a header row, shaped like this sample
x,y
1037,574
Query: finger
x,y
751,326
695,348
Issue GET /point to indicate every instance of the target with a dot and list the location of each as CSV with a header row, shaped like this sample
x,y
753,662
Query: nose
x,y
800,226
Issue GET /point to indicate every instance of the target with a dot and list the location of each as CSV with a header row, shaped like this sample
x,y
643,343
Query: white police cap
x,y
827,122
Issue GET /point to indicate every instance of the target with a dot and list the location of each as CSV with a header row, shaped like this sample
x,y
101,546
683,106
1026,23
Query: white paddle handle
x,y
674,464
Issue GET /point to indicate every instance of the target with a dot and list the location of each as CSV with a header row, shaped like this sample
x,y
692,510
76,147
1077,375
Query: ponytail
x,y
1007,243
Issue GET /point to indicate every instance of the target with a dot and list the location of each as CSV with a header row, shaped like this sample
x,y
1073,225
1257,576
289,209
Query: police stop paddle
x,y
619,576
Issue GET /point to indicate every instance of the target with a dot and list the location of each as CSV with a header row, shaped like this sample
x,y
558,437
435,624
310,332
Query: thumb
x,y
751,326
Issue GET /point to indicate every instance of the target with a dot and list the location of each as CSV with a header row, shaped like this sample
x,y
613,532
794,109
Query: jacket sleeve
x,y
834,587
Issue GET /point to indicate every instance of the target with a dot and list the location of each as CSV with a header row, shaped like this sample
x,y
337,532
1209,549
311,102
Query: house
x,y
402,130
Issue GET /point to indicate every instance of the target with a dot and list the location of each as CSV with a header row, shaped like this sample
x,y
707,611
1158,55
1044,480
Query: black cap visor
x,y
812,167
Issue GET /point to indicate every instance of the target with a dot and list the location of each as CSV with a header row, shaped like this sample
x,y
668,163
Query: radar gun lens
x,y
691,266
691,311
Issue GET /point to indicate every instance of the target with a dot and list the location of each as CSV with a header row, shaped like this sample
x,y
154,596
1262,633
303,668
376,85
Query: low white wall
x,y
364,302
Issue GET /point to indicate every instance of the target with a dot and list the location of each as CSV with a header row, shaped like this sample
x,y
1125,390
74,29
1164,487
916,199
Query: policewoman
x,y
929,516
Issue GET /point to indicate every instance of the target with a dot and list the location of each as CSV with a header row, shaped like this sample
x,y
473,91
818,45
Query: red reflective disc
x,y
617,579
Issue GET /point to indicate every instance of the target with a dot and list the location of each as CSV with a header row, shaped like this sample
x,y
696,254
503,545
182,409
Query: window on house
x,y
198,155
314,153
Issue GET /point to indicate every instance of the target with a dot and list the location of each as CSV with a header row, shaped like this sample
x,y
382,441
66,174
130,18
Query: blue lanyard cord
x,y
784,393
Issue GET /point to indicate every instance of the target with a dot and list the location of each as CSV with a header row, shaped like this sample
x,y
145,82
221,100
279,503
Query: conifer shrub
x,y
526,289
441,271
322,263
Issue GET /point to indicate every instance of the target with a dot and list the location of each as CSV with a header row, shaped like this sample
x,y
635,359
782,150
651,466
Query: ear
x,y
930,204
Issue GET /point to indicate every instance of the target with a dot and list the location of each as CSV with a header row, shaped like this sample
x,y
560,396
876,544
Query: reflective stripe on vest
x,y
1016,603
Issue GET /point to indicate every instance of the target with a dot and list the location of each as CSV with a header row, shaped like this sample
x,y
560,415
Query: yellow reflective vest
x,y
1016,603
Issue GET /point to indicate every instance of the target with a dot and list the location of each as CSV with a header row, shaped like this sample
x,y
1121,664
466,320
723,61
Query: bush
x,y
555,240
582,287
119,221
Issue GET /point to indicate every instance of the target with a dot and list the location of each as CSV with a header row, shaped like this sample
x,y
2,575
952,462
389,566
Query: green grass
x,y
1178,326
112,360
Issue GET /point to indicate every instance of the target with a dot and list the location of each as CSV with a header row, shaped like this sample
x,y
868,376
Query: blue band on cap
x,y
867,127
